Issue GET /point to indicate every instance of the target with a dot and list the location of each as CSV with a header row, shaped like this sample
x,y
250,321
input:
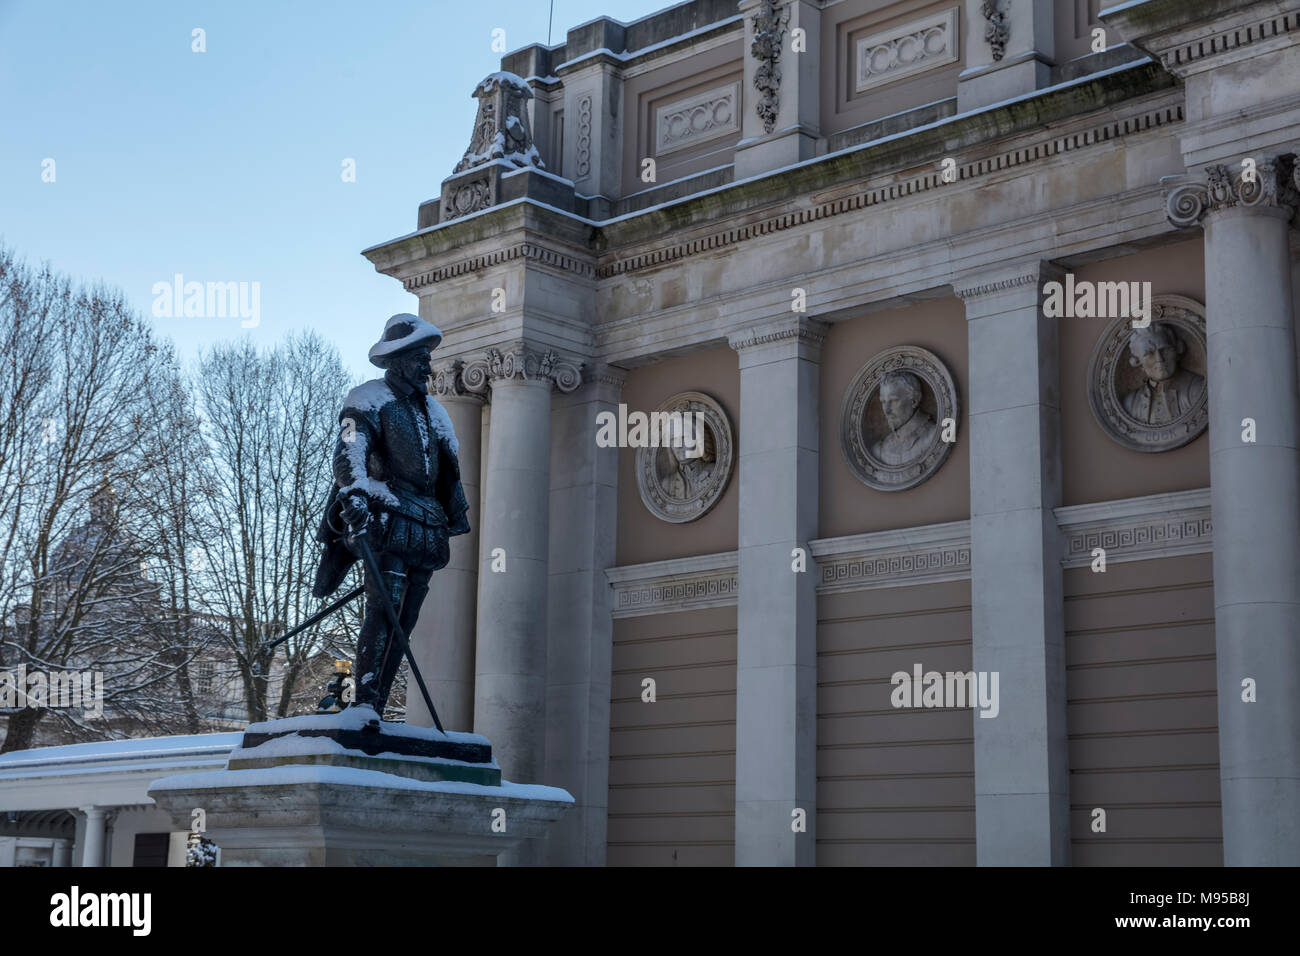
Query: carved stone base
x,y
296,794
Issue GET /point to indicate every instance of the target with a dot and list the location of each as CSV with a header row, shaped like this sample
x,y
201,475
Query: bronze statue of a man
x,y
396,481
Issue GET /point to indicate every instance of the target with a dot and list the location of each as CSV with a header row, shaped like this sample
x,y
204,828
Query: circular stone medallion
x,y
897,444
1146,387
675,485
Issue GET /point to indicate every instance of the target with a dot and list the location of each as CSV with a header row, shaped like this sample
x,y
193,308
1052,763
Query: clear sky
x,y
225,166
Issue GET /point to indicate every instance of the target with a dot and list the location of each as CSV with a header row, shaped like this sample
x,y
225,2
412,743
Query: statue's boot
x,y
375,644
417,586
390,658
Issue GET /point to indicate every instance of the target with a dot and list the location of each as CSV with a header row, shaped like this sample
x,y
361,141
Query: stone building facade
x,y
988,307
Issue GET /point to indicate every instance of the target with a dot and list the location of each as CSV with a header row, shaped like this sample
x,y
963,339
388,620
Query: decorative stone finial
x,y
501,127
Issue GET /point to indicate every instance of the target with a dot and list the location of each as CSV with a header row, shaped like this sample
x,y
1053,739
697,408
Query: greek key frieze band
x,y
885,559
1129,529
1137,529
681,584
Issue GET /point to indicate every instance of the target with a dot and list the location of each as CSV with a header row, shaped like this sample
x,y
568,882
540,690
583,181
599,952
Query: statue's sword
x,y
319,615
372,567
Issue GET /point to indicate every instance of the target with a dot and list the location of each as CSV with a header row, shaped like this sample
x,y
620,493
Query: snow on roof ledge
x,y
293,774
135,749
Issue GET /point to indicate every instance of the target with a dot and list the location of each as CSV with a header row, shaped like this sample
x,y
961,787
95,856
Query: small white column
x,y
1255,500
776,666
443,638
62,853
1017,605
95,836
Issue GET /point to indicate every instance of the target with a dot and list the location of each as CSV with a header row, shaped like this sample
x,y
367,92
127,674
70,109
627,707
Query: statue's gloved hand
x,y
356,512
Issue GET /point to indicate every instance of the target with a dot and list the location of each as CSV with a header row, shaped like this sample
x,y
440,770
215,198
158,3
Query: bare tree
x,y
270,418
174,531
74,365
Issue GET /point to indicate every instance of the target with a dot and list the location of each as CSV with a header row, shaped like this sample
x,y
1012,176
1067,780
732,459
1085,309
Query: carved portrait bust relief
x,y
686,474
1146,386
891,419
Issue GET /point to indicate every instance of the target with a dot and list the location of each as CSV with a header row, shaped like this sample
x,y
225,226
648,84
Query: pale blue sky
x,y
225,166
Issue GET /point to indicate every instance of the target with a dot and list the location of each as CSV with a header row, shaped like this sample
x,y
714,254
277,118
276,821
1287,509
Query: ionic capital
x,y
521,362
1272,183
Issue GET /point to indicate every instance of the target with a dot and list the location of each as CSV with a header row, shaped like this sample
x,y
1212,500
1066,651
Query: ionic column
x,y
1017,611
510,660
1254,499
92,853
443,638
776,666
584,516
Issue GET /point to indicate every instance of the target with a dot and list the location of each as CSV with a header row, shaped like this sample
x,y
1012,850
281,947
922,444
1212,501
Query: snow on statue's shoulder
x,y
442,426
369,396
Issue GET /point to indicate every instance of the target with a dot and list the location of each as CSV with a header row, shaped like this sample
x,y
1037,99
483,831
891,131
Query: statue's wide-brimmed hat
x,y
403,331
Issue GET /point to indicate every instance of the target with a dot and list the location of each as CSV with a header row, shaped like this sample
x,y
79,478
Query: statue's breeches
x,y
416,544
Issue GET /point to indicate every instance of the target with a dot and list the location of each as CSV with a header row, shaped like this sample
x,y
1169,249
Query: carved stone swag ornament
x,y
997,31
770,22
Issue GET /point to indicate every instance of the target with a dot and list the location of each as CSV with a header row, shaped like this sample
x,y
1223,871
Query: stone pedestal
x,y
332,791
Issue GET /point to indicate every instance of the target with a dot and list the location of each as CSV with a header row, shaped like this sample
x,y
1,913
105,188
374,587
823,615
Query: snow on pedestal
x,y
327,791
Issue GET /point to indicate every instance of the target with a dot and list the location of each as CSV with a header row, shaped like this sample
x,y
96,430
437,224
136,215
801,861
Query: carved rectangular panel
x,y
679,584
902,51
697,118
